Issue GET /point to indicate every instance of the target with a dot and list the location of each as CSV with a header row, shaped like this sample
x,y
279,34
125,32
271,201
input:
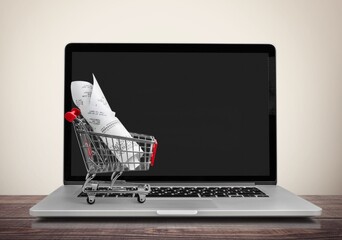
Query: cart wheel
x,y
141,198
90,200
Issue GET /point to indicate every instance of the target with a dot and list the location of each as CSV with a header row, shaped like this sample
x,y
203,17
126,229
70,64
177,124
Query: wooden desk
x,y
16,223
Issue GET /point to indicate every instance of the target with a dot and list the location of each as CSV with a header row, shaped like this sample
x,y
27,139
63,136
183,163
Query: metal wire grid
x,y
98,158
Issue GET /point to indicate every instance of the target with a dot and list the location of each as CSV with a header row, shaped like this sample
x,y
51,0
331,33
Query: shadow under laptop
x,y
176,222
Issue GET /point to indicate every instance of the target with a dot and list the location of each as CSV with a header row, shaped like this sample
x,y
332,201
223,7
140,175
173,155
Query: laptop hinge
x,y
201,183
192,183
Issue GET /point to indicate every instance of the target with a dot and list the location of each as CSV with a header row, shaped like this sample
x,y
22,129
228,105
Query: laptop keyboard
x,y
194,192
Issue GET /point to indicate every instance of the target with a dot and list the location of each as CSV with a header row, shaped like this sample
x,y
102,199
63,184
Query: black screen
x,y
209,111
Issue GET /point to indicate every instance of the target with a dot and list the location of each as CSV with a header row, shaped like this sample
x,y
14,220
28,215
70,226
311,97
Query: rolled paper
x,y
94,107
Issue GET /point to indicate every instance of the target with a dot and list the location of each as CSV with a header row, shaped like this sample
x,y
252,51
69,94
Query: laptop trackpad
x,y
182,207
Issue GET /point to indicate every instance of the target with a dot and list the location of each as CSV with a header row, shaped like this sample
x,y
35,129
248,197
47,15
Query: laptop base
x,y
281,203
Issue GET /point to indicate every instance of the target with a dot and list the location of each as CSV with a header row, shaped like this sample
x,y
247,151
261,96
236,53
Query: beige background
x,y
307,35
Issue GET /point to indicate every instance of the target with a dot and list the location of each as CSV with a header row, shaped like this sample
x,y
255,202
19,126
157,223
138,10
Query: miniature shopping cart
x,y
99,158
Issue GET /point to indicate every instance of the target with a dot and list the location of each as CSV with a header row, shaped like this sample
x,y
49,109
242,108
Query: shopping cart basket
x,y
98,158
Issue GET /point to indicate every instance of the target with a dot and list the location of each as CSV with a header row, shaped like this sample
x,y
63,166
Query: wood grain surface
x,y
16,223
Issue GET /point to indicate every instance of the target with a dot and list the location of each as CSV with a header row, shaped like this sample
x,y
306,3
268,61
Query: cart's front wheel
x,y
90,200
141,198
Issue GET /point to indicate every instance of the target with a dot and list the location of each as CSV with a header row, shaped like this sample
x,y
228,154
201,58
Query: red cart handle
x,y
70,116
154,151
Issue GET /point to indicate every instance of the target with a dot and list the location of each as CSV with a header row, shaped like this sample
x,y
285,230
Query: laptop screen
x,y
210,106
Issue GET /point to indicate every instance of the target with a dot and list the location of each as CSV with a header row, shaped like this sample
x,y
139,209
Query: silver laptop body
x,y
224,165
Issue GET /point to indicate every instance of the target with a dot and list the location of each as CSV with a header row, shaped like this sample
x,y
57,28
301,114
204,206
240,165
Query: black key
x,y
187,195
169,195
208,195
155,195
112,195
126,195
221,195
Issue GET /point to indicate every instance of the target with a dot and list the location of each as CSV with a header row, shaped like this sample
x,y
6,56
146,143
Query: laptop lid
x,y
212,107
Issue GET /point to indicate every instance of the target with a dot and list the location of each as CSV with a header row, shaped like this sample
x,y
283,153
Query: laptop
x,y
212,109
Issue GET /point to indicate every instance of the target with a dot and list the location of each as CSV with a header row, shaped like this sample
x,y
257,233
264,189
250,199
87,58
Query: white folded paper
x,y
96,110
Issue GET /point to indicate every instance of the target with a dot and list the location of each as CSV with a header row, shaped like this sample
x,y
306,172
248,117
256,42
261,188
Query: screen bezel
x,y
174,47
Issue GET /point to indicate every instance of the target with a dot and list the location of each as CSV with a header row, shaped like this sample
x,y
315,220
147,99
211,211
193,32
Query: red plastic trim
x,y
70,116
154,151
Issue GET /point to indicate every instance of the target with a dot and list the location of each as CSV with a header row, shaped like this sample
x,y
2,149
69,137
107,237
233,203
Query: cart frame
x,y
98,158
